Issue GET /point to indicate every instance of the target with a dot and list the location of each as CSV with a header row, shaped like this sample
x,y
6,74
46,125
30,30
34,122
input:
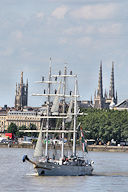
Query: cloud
x,y
60,12
6,52
73,30
99,11
108,28
40,15
63,41
84,29
19,35
114,28
25,52
86,41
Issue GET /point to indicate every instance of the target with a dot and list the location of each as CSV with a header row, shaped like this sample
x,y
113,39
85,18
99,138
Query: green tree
x,y
105,124
12,128
33,127
21,134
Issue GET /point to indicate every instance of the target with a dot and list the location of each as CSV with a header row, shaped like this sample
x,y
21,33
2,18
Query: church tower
x,y
103,102
21,97
98,97
100,83
112,87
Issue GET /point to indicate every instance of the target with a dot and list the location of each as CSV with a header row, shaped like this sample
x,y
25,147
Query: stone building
x,y
85,104
25,118
21,97
3,122
123,105
103,100
3,118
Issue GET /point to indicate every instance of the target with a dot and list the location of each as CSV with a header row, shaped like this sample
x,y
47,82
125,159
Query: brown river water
x,y
110,174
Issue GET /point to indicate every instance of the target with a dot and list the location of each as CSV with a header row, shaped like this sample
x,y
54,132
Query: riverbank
x,y
95,148
108,148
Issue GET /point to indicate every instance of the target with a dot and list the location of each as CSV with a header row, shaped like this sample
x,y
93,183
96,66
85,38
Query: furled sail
x,y
55,106
77,108
39,147
69,113
77,92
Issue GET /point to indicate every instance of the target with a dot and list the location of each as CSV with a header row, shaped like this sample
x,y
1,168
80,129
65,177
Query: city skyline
x,y
78,33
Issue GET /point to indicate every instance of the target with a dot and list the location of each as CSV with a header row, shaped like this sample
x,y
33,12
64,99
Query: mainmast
x,y
48,109
63,122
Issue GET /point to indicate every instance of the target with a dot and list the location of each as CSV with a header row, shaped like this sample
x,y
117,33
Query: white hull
x,y
64,170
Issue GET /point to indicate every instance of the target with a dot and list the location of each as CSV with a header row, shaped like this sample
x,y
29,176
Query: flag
x,y
84,142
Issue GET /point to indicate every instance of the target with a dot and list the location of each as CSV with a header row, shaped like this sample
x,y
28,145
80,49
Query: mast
x,y
75,115
63,122
48,108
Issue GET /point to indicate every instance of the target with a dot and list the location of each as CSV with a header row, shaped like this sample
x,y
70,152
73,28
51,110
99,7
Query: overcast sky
x,y
80,33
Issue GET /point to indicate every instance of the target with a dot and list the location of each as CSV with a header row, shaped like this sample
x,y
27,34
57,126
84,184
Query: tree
x,y
12,128
105,124
21,134
33,127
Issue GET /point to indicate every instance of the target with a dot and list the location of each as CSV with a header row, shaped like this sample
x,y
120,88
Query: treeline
x,y
13,128
101,125
105,125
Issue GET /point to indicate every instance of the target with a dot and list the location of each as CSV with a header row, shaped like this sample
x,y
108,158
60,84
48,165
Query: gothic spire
x,y
116,97
112,89
91,99
16,88
27,83
100,83
105,94
95,94
21,80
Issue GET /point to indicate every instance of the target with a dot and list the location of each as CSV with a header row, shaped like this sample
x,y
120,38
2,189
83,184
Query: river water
x,y
110,174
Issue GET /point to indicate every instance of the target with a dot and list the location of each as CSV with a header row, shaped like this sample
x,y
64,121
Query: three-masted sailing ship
x,y
72,165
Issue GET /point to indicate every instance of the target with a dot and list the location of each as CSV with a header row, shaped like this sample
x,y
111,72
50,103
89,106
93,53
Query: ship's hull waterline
x,y
63,170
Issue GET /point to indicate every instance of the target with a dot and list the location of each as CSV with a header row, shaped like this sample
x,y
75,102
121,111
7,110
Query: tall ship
x,y
60,118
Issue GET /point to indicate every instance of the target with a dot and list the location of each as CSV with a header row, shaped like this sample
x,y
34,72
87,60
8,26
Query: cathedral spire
x,y
95,94
105,94
100,83
112,88
27,92
16,88
91,100
116,97
21,80
27,83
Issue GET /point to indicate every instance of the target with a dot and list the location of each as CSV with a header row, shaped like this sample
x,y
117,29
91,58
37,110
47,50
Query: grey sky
x,y
78,32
